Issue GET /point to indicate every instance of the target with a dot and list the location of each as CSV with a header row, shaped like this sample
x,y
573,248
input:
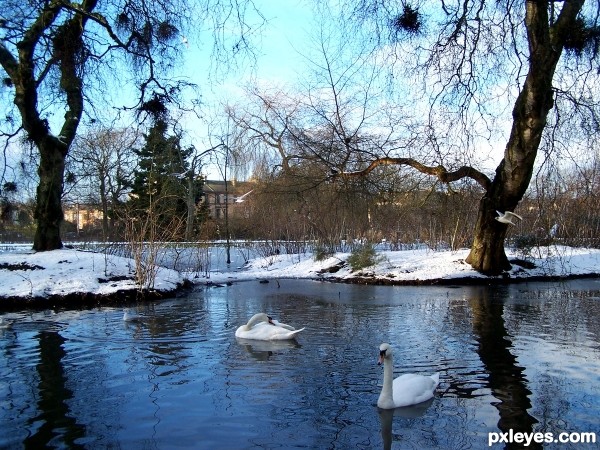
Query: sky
x,y
68,271
284,50
280,61
277,49
277,62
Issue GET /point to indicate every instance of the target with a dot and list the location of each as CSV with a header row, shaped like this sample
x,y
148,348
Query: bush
x,y
322,252
362,257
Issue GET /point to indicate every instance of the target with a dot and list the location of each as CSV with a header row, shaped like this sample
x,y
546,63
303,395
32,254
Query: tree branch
x,y
438,171
8,62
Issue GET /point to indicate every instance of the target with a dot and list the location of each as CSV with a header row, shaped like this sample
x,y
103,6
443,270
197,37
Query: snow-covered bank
x,y
71,277
419,267
75,276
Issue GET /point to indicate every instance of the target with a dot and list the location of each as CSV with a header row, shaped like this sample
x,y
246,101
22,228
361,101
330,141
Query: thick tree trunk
x,y
48,210
487,251
67,44
529,120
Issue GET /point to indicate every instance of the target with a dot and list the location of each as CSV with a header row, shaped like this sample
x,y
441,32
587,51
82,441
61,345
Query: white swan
x,y
506,217
282,325
407,389
261,327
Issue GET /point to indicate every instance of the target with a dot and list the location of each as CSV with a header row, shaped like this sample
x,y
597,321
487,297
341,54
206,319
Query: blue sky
x,y
277,61
279,49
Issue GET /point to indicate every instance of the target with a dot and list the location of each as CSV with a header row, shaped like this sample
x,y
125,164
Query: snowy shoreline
x,y
420,267
68,277
74,278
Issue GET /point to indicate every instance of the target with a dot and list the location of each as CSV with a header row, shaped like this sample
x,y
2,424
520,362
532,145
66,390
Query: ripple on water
x,y
179,377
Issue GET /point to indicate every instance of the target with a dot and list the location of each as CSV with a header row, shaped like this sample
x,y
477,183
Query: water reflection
x,y
263,350
523,358
506,378
386,417
54,425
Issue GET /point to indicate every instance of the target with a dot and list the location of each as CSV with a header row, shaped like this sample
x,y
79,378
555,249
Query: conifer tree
x,y
159,188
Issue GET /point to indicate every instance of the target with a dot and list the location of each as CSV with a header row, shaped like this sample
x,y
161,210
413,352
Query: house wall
x,y
218,198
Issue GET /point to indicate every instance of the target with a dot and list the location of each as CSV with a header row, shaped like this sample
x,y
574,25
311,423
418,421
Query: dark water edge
x,y
89,300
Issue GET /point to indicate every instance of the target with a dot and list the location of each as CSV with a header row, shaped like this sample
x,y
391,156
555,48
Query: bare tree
x,y
103,162
481,55
56,55
263,122
457,84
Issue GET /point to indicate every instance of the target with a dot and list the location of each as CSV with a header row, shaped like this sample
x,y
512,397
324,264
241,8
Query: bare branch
x,y
438,171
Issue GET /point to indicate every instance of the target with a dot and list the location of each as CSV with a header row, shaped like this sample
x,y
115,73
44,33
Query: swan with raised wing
x,y
262,327
408,389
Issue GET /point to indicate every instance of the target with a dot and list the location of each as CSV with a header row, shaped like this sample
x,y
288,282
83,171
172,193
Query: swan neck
x,y
388,374
253,321
386,398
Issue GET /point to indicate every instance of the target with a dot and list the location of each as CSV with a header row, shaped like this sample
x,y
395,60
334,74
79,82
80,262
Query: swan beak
x,y
381,356
270,320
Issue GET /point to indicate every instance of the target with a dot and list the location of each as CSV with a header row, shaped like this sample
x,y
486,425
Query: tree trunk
x,y
529,120
48,210
66,49
190,202
487,251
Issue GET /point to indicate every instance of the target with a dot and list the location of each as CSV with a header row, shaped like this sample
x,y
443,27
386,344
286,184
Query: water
x,y
523,357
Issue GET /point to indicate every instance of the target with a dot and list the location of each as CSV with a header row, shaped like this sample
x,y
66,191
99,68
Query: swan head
x,y
385,351
265,318
257,318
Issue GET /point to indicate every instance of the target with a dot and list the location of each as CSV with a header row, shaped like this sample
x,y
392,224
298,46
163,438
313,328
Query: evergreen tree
x,y
160,189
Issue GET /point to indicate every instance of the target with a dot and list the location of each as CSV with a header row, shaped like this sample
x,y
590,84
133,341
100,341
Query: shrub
x,y
322,252
362,257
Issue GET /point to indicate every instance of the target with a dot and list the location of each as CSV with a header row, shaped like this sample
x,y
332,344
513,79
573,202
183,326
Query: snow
x,y
27,274
422,265
66,272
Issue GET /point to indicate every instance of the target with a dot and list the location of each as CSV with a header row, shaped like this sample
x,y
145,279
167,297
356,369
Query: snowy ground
x,y
59,273
419,266
25,274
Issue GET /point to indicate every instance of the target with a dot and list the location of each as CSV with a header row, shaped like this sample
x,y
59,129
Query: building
x,y
82,216
232,197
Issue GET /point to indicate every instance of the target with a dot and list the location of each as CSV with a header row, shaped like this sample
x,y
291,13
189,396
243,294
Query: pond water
x,y
522,357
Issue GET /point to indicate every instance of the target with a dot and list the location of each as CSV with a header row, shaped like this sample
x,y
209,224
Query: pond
x,y
523,357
